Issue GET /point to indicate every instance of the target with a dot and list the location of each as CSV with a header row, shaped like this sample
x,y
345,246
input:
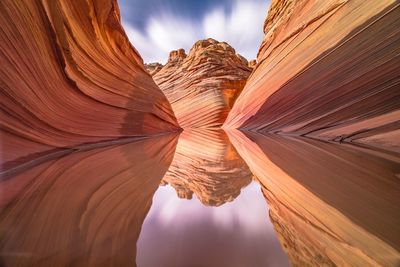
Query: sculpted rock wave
x,y
83,209
69,76
331,205
203,85
329,70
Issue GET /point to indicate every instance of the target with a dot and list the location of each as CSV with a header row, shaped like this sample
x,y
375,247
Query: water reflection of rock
x,y
206,163
84,209
331,205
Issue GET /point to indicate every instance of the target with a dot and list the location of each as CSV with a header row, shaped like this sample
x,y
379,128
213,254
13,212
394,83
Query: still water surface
x,y
188,233
202,199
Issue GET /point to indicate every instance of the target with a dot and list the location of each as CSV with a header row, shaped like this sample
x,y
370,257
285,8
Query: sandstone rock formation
x,y
331,204
329,70
69,76
203,85
153,68
206,164
252,63
84,209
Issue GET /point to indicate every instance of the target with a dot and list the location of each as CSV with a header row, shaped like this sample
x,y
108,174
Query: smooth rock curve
x,y
69,76
331,204
328,70
83,209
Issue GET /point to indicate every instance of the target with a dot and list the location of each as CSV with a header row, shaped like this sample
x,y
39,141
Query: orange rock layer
x,y
203,85
331,204
83,209
328,70
69,76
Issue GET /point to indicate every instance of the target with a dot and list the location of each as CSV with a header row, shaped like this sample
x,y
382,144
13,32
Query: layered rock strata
x,y
203,85
328,70
206,164
153,68
84,209
331,204
69,76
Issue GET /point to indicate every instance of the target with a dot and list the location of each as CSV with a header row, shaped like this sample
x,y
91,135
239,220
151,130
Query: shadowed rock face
x,y
153,68
206,164
329,70
331,204
252,63
84,209
203,85
70,76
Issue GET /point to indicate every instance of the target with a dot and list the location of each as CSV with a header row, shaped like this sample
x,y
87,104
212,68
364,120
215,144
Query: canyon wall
x,y
83,209
69,76
327,70
331,204
203,85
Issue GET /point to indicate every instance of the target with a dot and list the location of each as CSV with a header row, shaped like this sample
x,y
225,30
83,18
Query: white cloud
x,y
242,28
167,208
149,51
170,33
214,25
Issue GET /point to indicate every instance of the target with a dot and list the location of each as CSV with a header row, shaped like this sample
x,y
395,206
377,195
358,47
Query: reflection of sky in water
x,y
180,232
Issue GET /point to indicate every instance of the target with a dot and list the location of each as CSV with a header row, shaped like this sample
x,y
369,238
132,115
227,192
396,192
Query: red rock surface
x,y
328,70
70,76
331,204
206,164
84,209
203,85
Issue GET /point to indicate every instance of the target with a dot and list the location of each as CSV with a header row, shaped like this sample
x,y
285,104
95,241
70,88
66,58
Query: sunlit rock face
x,y
70,76
206,164
329,70
84,209
203,85
331,204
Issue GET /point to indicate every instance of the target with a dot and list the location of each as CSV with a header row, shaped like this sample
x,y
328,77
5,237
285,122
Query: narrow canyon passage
x,y
254,137
197,198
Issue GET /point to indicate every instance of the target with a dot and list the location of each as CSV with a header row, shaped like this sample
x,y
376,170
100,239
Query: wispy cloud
x,y
241,26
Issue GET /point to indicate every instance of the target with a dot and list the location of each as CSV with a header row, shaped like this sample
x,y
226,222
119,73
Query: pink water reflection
x,y
178,232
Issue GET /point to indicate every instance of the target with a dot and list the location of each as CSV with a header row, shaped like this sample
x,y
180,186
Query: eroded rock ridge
x,y
203,85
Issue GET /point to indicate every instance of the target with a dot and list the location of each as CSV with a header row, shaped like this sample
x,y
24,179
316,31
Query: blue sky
x,y
155,27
